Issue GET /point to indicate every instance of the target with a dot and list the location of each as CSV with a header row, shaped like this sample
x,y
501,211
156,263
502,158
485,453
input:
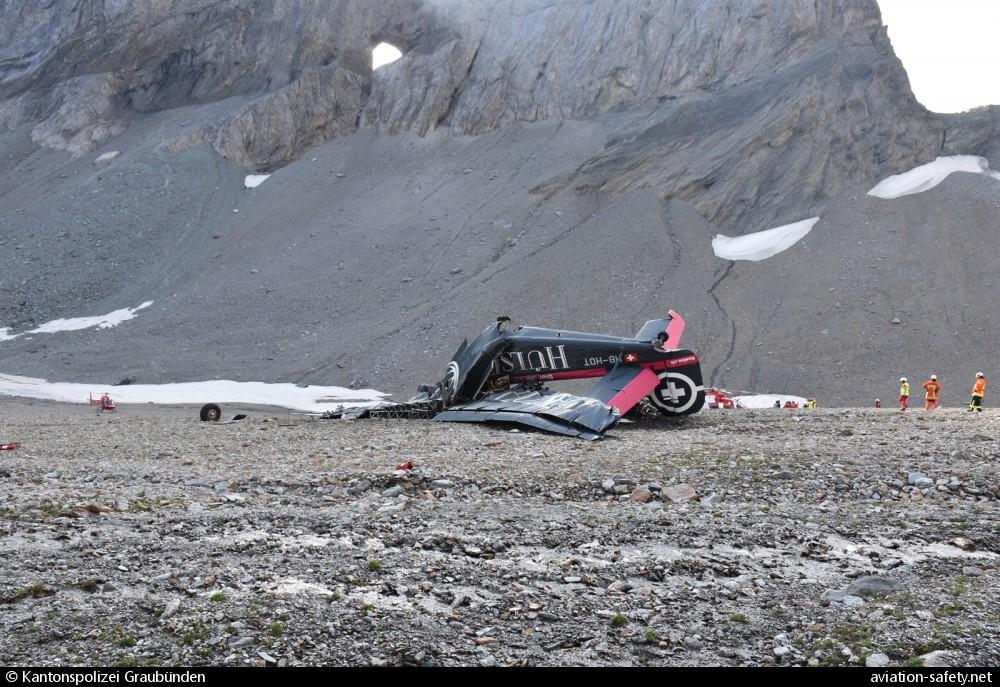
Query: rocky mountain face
x,y
76,70
513,143
741,96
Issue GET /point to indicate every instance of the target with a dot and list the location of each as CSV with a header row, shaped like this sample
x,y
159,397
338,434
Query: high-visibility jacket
x,y
980,388
904,389
932,387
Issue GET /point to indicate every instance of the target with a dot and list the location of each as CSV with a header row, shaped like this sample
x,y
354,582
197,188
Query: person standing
x,y
932,388
904,393
978,391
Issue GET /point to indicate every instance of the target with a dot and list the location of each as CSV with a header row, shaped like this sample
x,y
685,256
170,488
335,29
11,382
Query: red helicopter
x,y
719,399
105,402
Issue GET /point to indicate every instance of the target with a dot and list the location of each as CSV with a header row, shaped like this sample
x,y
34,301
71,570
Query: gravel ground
x,y
743,538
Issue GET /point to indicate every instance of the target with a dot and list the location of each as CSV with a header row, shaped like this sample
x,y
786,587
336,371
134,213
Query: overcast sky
x,y
949,48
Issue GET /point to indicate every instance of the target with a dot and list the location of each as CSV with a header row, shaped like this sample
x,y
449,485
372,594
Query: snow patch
x,y
314,399
767,400
763,244
926,177
255,180
112,319
107,157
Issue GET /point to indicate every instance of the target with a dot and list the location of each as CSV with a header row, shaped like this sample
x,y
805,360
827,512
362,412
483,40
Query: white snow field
x,y
926,177
763,244
767,400
112,319
255,180
315,399
107,157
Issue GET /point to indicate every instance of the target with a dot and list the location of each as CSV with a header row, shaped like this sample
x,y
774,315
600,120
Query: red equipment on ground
x,y
8,447
103,403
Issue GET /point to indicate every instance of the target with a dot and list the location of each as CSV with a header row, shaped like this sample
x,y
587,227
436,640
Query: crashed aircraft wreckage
x,y
500,377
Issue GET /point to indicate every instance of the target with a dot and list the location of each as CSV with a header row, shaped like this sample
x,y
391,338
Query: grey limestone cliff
x,y
738,106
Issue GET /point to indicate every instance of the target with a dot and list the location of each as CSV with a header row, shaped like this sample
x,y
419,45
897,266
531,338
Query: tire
x,y
678,394
210,413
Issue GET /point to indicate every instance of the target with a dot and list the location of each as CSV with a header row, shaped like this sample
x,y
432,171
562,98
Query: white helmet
x,y
980,374
934,377
902,379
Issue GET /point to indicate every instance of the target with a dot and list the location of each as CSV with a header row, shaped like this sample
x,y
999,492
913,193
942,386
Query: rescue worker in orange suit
x,y
904,393
978,391
932,389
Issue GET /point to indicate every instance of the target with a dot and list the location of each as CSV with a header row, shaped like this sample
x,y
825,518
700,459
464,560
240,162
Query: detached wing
x,y
624,387
579,416
587,417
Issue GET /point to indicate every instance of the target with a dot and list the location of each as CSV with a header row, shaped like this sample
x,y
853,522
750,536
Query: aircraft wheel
x,y
677,394
210,413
